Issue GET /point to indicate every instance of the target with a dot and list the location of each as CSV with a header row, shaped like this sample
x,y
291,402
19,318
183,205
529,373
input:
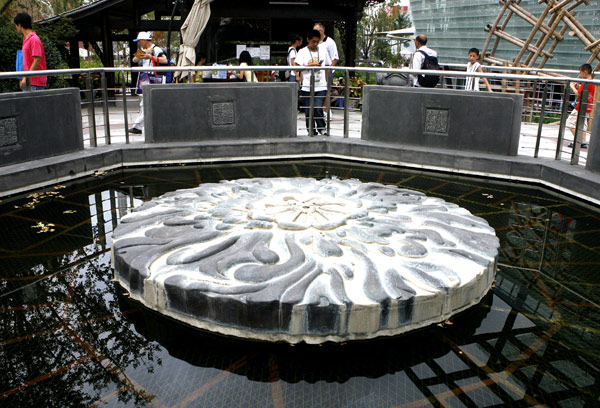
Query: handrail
x,y
539,102
525,69
489,75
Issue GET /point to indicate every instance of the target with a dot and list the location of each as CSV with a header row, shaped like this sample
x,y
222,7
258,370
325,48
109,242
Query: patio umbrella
x,y
191,30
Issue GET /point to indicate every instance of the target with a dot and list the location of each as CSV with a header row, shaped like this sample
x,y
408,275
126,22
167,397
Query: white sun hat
x,y
144,35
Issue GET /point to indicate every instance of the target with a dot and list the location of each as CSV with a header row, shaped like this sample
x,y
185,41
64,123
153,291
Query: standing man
x,y
34,58
313,55
419,55
149,55
332,50
329,44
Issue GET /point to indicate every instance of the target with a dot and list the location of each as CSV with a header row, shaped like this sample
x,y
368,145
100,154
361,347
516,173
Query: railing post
x,y
125,120
541,123
563,120
311,115
443,80
105,108
328,100
91,110
583,96
346,103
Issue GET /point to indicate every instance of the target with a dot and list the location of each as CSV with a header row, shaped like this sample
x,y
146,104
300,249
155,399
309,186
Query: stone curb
x,y
552,174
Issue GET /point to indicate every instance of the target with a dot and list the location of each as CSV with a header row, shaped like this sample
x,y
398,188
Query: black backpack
x,y
284,75
430,62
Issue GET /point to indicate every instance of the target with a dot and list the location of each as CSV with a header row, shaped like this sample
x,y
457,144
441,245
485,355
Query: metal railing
x,y
547,95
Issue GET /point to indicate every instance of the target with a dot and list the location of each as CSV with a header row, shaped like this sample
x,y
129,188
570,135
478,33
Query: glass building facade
x,y
454,26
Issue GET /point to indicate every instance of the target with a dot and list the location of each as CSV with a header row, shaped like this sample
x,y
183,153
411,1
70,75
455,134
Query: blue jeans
x,y
292,78
34,88
318,116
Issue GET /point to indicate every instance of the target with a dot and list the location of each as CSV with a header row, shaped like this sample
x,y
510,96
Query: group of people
x,y
321,51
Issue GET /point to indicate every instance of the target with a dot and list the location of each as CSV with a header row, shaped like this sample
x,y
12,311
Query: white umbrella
x,y
191,30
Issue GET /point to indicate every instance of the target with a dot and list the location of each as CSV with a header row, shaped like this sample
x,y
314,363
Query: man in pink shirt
x,y
33,51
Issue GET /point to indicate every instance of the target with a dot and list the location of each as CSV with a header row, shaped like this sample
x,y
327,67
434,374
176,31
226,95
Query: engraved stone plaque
x,y
223,113
8,132
436,121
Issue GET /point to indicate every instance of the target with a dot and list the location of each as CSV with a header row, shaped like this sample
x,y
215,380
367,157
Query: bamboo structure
x,y
557,19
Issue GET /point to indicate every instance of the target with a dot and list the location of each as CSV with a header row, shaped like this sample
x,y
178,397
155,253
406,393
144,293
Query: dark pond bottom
x,y
70,337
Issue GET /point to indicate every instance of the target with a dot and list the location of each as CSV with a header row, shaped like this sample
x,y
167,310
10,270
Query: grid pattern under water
x,y
70,337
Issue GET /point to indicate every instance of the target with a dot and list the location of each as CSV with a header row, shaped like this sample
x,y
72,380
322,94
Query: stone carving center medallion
x,y
299,259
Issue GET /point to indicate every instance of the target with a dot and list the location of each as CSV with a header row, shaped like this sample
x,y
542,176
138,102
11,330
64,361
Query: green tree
x,y
60,6
377,18
42,9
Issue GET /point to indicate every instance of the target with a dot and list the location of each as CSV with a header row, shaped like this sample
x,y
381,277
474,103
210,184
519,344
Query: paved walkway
x,y
526,143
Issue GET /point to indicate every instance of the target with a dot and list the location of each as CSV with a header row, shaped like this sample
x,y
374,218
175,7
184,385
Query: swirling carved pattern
x,y
299,259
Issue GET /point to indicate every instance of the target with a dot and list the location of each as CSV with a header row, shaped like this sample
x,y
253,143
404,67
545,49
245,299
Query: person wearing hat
x,y
148,55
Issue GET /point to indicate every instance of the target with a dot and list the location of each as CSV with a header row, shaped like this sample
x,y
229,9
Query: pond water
x,y
71,337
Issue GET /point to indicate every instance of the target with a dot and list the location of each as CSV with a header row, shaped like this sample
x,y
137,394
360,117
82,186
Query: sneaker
x,y
571,144
135,131
584,145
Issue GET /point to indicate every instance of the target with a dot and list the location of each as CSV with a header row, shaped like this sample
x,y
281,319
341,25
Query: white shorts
x,y
572,120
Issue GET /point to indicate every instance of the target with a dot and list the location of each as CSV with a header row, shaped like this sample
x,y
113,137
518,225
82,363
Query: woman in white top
x,y
247,75
472,83
291,55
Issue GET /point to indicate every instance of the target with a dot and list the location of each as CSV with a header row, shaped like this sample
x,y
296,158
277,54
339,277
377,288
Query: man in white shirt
x,y
313,55
332,50
418,57
328,42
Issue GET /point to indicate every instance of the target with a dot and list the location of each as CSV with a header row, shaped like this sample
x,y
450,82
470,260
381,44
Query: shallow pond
x,y
70,337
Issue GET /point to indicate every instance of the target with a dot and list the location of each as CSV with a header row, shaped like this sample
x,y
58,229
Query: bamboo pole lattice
x,y
557,19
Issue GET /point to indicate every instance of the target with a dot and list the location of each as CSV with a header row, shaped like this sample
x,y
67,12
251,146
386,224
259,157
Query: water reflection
x,y
69,337
335,363
65,342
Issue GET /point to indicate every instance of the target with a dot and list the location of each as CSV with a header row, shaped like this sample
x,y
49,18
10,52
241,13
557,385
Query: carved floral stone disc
x,y
299,259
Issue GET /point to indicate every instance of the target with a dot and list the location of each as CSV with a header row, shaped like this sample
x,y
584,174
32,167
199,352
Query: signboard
x,y
262,52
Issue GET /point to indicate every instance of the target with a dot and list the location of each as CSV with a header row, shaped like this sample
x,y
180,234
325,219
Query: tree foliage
x,y
60,6
378,18
42,9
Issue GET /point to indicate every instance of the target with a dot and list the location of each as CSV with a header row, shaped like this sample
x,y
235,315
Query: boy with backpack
x,y
424,58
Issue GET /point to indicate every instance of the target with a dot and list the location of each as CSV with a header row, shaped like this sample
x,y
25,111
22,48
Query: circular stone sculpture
x,y
299,259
